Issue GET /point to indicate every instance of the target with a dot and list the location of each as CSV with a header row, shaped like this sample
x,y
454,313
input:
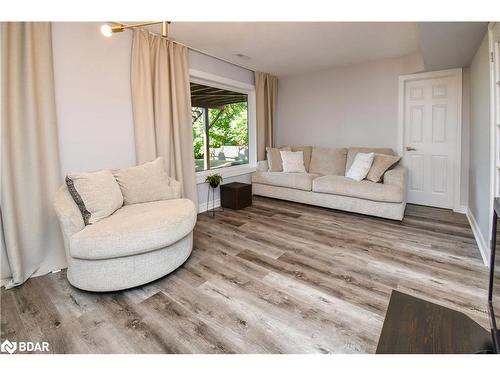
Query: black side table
x,y
236,195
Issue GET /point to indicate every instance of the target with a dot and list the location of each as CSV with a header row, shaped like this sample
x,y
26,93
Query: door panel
x,y
430,127
439,171
416,165
438,123
416,123
439,91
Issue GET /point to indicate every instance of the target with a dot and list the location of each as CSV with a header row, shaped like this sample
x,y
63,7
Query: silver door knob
x,y
409,148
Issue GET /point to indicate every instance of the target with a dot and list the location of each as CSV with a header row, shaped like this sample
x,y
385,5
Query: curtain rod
x,y
139,26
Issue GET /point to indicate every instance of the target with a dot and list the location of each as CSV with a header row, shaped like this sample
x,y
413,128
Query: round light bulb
x,y
106,30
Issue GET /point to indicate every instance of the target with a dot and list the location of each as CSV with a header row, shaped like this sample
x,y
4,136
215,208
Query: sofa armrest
x,y
176,188
396,176
262,166
70,217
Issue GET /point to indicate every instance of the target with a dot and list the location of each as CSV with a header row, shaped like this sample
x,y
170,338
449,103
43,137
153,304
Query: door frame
x,y
494,146
457,173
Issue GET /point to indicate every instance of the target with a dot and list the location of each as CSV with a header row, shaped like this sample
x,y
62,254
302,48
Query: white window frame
x,y
220,82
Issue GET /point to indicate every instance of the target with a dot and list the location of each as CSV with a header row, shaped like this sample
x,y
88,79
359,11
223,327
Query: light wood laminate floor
x,y
277,277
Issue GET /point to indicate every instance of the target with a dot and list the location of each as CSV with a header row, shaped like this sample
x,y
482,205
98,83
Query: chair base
x,y
105,275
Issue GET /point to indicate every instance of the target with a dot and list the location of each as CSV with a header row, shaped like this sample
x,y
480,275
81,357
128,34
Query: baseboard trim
x,y
482,244
462,210
202,207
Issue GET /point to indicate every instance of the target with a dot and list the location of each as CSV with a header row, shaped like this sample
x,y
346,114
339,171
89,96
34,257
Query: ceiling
x,y
446,45
289,48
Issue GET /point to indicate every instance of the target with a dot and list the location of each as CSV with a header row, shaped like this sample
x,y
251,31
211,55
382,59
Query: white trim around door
x,y
456,73
494,57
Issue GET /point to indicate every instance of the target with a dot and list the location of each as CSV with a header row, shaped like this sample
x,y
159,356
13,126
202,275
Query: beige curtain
x,y
29,151
266,88
162,107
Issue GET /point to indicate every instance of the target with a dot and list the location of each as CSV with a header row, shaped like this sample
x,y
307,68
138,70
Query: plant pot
x,y
214,185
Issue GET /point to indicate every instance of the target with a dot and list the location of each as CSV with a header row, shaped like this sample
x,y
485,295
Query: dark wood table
x,y
236,195
415,326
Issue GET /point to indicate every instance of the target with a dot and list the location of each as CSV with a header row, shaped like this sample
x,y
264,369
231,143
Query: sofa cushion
x,y
135,229
307,152
341,185
329,161
352,151
301,181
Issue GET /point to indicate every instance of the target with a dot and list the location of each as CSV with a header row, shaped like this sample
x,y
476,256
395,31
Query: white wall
x,y
350,106
479,175
94,108
353,106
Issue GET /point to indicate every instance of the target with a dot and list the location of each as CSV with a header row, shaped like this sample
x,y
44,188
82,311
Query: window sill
x,y
227,172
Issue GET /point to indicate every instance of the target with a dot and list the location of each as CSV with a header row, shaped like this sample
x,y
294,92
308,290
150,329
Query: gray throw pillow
x,y
381,163
274,158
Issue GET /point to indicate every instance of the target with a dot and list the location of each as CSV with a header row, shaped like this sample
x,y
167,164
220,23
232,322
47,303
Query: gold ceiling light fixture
x,y
111,28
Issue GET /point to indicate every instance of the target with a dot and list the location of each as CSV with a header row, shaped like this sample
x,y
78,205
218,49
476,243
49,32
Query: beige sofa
x,y
326,185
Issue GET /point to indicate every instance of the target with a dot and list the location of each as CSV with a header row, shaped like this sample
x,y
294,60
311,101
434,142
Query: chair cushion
x,y
328,161
301,181
341,185
147,182
352,151
96,194
135,229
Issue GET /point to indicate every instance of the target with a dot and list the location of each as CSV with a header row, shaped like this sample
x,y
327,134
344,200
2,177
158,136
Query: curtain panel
x,y
266,88
161,101
29,151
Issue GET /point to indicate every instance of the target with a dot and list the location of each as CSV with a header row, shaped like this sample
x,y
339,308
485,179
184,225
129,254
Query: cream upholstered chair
x,y
137,244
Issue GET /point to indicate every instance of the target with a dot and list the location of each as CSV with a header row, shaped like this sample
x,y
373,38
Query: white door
x,y
430,126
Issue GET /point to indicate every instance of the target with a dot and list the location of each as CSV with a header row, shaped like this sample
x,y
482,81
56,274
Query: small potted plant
x,y
214,180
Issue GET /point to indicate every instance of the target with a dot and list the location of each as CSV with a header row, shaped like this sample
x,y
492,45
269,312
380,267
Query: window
x,y
220,127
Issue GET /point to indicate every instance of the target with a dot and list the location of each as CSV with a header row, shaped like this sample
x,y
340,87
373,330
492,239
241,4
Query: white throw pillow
x,y
361,166
293,161
147,182
96,194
